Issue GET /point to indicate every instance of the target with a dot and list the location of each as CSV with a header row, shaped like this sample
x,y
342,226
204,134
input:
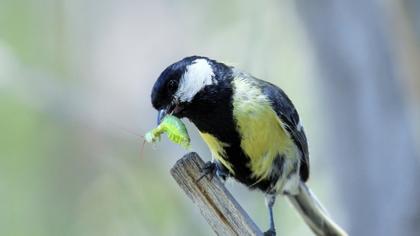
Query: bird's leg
x,y
209,169
221,171
269,201
213,167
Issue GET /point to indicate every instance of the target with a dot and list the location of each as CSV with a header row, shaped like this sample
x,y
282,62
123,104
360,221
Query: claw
x,y
209,169
270,233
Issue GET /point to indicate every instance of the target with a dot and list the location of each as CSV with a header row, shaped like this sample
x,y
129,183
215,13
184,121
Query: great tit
x,y
251,127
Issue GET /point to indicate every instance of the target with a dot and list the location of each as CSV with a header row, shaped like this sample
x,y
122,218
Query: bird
x,y
252,129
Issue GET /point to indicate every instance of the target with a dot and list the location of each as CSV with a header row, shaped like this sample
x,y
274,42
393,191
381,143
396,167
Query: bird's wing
x,y
289,116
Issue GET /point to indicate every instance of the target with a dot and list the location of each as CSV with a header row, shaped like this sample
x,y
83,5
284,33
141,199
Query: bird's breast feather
x,y
263,135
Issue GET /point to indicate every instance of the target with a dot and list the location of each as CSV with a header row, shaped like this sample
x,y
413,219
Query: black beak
x,y
161,114
172,109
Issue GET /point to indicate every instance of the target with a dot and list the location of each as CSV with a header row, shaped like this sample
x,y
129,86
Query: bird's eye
x,y
172,85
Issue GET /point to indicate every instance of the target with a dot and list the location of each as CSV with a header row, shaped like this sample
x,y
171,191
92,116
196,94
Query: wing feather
x,y
288,115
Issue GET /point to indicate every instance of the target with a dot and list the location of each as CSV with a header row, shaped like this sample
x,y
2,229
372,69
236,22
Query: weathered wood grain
x,y
219,208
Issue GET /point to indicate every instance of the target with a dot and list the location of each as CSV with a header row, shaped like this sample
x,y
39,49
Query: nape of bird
x,y
252,129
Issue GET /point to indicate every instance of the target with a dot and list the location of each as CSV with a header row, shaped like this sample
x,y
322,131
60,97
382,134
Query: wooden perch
x,y
219,208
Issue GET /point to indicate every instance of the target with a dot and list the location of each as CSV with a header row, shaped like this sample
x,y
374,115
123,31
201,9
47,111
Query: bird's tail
x,y
314,214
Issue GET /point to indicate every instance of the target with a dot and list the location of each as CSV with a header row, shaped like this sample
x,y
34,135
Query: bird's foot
x,y
270,232
209,169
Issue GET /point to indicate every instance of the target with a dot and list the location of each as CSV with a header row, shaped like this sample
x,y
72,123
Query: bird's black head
x,y
179,83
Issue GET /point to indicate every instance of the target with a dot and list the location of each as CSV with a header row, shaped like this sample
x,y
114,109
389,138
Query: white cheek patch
x,y
196,77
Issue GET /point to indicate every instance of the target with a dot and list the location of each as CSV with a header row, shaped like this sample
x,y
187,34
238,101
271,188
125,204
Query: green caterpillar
x,y
174,129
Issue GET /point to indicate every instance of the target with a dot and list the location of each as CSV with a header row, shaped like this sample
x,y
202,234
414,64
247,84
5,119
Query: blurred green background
x,y
75,82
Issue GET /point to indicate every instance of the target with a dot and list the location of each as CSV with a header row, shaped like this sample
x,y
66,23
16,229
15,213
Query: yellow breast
x,y
262,133
217,149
